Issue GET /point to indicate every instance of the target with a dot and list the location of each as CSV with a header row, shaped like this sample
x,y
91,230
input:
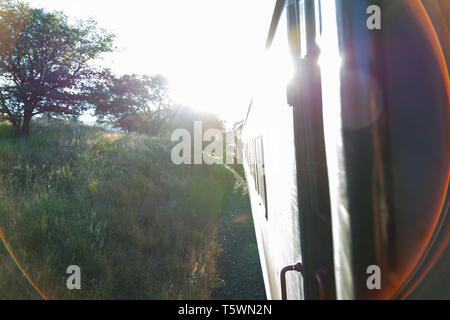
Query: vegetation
x,y
134,103
140,227
50,67
111,202
46,63
238,264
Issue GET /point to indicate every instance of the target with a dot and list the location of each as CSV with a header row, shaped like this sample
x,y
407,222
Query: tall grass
x,y
115,205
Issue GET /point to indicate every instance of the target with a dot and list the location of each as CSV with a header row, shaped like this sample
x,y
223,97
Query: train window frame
x,y
254,150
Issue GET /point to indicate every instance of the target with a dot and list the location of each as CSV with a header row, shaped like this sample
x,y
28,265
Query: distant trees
x,y
134,103
142,104
46,63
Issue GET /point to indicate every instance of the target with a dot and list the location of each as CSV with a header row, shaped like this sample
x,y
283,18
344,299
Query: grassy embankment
x,y
115,205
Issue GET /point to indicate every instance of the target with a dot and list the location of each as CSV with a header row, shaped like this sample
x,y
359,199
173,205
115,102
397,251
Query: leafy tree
x,y
134,103
117,99
46,64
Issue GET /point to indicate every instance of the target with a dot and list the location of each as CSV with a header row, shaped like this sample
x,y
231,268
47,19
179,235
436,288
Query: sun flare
x,y
208,50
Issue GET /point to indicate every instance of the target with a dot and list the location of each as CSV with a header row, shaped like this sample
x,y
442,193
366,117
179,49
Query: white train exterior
x,y
334,145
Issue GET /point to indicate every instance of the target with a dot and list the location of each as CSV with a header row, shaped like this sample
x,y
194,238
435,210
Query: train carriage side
x,y
269,161
348,163
291,227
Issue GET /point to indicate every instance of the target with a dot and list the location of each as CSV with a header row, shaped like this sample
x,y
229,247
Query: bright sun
x,y
208,49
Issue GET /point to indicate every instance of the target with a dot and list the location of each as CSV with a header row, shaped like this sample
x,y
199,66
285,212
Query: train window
x,y
254,151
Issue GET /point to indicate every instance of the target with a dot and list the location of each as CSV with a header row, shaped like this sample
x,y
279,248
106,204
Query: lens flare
x,y
20,269
424,262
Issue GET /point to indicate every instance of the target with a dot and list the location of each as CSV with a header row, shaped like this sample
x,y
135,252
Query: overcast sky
x,y
208,49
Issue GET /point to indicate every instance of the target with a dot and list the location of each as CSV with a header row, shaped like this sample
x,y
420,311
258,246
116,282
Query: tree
x,y
134,103
46,64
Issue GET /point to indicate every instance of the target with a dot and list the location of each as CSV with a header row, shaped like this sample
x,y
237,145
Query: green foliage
x,y
114,204
142,104
46,68
45,63
133,103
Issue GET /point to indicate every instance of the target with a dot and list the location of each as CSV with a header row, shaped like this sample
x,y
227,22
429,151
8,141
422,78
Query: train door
x,y
305,96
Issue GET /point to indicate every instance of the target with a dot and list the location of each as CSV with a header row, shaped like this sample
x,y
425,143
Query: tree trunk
x,y
16,126
25,131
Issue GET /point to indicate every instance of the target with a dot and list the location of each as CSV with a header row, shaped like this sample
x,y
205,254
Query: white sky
x,y
208,49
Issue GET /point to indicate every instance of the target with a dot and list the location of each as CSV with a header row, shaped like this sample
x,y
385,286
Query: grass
x,y
238,264
115,205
